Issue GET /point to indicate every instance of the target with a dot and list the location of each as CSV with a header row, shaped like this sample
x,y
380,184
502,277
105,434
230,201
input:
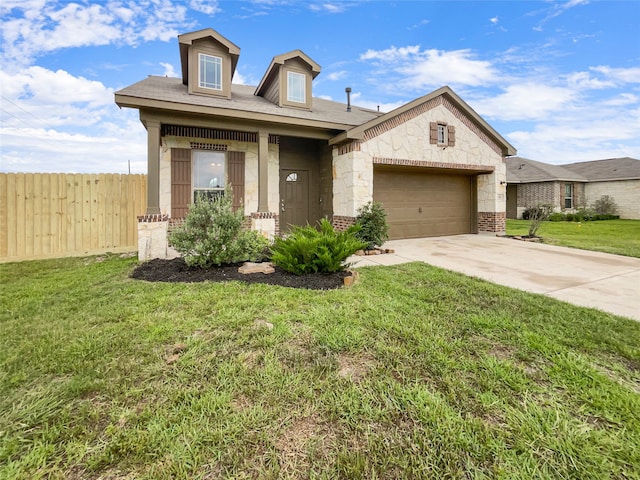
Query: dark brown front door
x,y
294,198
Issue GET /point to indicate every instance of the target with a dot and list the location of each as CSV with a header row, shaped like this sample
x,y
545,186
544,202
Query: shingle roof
x,y
625,168
523,170
172,91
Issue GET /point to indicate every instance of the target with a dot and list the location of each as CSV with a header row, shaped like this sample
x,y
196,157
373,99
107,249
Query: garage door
x,y
420,204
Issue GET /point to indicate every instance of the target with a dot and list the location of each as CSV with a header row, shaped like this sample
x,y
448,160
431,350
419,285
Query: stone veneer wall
x,y
626,194
152,236
404,140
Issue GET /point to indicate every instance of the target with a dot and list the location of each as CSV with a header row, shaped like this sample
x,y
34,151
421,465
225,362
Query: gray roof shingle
x,y
625,168
172,90
523,170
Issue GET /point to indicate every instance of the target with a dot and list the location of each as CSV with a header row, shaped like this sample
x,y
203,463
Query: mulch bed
x,y
175,270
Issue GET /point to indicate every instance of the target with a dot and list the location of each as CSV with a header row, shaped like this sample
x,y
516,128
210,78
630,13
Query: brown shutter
x,y
180,182
451,135
433,133
235,173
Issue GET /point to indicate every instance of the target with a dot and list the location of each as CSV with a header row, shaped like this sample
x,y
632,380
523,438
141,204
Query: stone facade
x,y
389,143
626,194
152,237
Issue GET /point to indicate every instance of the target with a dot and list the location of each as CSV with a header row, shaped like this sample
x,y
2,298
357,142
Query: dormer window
x,y
296,85
210,71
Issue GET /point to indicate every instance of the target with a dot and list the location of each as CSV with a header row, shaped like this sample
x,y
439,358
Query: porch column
x,y
153,167
263,173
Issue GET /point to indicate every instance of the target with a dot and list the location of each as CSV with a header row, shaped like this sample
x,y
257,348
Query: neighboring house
x,y
573,186
292,159
617,177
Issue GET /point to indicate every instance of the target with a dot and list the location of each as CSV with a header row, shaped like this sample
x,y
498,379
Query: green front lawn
x,y
621,237
414,372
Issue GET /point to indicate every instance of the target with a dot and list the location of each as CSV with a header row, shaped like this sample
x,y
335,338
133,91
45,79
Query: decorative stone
x,y
250,267
350,280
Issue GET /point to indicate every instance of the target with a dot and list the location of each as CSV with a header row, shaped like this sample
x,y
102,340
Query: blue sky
x,y
560,80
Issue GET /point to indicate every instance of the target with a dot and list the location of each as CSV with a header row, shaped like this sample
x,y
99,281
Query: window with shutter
x,y
451,135
433,133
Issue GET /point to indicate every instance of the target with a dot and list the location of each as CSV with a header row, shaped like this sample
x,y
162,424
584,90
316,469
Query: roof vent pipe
x,y
348,90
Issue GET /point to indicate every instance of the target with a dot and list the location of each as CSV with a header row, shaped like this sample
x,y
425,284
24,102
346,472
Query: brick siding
x,y
342,222
492,222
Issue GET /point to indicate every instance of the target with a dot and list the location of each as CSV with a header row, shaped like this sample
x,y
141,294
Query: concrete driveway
x,y
608,282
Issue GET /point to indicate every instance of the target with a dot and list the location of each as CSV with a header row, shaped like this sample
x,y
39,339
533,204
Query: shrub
x,y
308,250
537,215
374,230
605,205
212,235
557,217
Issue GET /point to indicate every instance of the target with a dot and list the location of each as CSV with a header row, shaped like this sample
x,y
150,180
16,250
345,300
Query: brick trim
x,y
423,108
153,218
354,146
402,162
208,146
342,222
259,215
493,222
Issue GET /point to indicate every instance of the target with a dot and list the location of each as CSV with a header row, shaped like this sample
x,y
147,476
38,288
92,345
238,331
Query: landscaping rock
x,y
250,267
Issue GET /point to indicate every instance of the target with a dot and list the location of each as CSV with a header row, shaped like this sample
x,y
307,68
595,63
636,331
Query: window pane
x,y
208,170
210,72
295,87
442,130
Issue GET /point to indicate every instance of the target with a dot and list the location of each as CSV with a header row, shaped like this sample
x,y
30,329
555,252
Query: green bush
x,y
212,235
557,217
605,205
308,250
374,229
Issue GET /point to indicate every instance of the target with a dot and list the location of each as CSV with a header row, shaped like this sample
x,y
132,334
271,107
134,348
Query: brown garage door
x,y
420,204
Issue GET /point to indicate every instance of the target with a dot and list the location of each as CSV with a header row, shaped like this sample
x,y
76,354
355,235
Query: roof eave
x,y
358,132
129,101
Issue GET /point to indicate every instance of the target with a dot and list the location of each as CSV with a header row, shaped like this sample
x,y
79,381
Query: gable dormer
x,y
288,80
208,62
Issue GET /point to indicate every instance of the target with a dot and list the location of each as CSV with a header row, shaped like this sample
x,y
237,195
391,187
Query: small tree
x,y
605,205
374,230
212,234
537,215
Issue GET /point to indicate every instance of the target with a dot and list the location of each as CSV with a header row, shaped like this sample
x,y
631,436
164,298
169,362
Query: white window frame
x,y
203,81
212,189
442,134
570,196
296,87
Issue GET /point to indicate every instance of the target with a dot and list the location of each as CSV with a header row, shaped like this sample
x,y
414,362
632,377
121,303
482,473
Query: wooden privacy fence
x,y
46,215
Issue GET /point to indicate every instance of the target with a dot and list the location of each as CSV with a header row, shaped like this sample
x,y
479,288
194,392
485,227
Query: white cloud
x,y
328,7
417,70
391,54
525,101
169,71
209,7
620,75
37,28
494,20
337,75
50,150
